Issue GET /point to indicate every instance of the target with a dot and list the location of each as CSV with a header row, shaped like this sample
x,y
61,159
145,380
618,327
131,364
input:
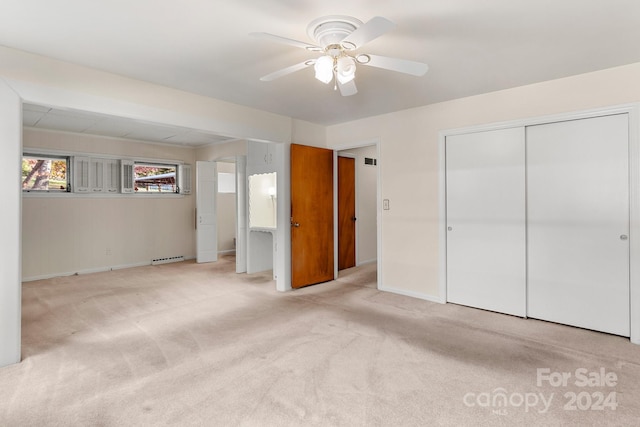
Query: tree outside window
x,y
44,173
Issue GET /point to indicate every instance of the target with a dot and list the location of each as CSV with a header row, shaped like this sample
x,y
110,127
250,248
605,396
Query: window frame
x,y
155,164
39,155
183,173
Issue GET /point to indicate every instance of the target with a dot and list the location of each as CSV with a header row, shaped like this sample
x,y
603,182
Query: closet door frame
x,y
633,110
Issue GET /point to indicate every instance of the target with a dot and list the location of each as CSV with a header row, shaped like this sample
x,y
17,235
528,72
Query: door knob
x,y
624,237
295,224
450,228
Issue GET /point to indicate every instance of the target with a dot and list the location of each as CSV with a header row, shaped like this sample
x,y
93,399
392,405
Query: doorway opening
x,y
357,210
226,208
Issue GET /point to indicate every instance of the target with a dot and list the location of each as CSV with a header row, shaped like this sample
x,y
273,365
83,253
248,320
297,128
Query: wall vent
x,y
167,260
370,161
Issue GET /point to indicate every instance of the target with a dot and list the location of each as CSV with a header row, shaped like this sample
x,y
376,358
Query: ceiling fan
x,y
338,37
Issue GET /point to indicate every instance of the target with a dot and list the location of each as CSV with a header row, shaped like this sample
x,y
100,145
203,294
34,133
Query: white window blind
x,y
185,179
96,175
127,179
81,174
112,175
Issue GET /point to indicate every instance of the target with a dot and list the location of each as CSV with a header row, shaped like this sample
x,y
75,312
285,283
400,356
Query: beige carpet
x,y
197,345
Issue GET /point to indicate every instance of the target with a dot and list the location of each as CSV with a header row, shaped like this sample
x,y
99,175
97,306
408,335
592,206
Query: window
x,y
226,182
53,172
155,178
45,173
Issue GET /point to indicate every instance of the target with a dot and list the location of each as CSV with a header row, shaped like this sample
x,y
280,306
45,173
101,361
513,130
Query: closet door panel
x,y
485,186
578,223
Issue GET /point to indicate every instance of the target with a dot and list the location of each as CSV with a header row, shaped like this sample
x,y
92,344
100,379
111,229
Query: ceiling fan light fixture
x,y
337,37
324,69
346,69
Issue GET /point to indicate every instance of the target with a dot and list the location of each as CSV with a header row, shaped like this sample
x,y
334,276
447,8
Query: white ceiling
x,y
203,46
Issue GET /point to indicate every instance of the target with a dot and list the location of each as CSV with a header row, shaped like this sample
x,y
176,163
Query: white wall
x,y
409,160
306,133
226,150
10,278
70,233
366,208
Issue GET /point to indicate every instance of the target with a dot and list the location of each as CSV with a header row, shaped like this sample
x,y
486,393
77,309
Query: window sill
x,y
44,194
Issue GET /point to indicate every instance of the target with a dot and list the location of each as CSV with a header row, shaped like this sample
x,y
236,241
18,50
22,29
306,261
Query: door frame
x,y
633,110
379,250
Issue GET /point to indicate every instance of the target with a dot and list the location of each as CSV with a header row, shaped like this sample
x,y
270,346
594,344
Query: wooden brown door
x,y
311,215
346,213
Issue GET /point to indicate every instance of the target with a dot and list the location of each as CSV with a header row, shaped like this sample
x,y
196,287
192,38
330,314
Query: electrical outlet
x,y
385,204
108,251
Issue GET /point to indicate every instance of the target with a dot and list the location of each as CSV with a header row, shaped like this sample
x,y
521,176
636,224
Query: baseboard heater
x,y
167,260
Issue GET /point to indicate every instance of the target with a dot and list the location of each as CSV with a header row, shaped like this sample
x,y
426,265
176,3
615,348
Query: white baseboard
x,y
368,261
413,294
87,271
227,252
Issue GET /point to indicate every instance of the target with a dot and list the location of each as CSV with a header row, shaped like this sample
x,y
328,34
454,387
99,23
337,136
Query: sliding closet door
x,y
485,175
578,223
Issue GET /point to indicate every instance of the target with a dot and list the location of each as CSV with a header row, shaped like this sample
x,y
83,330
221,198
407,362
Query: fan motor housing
x,y
331,30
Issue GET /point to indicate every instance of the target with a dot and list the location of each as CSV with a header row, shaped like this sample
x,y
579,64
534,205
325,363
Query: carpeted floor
x,y
198,345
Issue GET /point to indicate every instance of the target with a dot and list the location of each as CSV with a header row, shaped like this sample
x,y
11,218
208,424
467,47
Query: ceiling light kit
x,y
337,38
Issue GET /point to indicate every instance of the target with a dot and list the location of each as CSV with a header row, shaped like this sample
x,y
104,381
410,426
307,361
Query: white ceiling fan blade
x,y
284,40
287,70
373,29
394,64
347,89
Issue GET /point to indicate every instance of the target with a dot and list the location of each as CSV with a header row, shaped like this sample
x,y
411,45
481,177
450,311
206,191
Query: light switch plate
x,y
385,204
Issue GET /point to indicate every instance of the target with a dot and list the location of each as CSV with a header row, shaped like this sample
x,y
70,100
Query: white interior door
x,y
485,187
578,212
206,227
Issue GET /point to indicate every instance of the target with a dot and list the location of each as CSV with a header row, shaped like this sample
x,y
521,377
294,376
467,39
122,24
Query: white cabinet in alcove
x,y
261,156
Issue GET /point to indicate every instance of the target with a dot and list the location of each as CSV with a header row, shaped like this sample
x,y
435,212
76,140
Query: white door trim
x,y
634,193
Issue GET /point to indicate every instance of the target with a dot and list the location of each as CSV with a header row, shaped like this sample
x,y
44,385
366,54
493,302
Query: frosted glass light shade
x,y
324,69
346,69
